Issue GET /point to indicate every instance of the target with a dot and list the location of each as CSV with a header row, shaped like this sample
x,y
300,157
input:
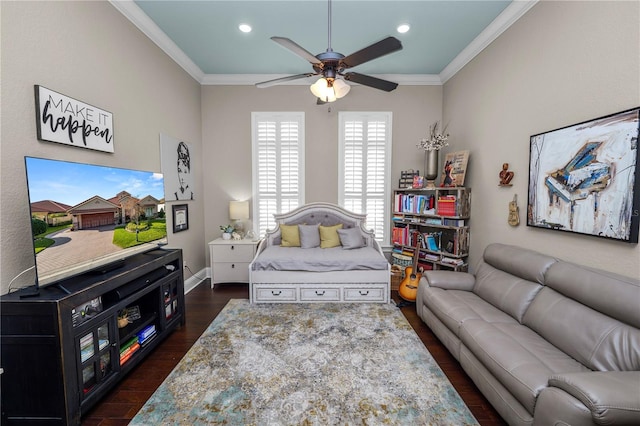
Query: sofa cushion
x,y
521,360
587,286
524,263
602,343
509,293
453,307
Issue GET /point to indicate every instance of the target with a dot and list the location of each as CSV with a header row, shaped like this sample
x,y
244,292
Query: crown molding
x,y
508,17
140,19
251,79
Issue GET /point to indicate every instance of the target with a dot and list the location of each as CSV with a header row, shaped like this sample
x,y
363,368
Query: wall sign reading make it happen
x,y
65,120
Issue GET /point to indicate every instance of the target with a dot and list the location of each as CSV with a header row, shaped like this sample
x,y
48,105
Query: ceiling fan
x,y
332,65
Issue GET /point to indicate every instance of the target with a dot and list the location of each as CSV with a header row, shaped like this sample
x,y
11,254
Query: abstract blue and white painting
x,y
583,178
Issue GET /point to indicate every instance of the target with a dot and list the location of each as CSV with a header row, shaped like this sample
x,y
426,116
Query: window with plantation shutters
x,y
278,165
365,167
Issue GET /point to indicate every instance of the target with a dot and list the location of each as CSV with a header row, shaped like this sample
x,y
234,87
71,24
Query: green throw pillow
x,y
329,236
290,236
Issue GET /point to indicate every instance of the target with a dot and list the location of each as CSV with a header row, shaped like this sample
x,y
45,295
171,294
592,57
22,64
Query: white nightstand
x,y
230,260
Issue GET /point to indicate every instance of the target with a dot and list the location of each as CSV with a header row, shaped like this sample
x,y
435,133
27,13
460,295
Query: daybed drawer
x,y
275,294
375,294
320,294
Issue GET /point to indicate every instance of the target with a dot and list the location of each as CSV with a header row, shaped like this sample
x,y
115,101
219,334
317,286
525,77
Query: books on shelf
x,y
103,343
124,357
128,349
440,217
452,261
431,242
447,205
414,203
146,334
86,347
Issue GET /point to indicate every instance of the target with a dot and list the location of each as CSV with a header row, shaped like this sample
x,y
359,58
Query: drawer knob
x,y
364,292
276,293
233,265
233,247
319,293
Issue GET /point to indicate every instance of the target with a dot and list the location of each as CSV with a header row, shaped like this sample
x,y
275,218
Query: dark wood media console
x,y
64,349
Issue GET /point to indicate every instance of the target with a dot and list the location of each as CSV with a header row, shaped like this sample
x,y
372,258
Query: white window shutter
x,y
365,167
278,166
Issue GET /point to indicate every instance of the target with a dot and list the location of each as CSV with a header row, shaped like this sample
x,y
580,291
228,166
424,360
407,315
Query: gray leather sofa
x,y
546,341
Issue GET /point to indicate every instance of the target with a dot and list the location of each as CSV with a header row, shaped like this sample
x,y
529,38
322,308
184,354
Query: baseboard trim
x,y
193,281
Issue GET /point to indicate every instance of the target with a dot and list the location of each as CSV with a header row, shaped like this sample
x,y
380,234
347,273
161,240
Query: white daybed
x,y
305,275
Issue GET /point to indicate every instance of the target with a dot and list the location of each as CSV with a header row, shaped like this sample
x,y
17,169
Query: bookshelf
x,y
441,215
62,352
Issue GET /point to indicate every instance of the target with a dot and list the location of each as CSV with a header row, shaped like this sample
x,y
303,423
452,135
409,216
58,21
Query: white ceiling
x,y
203,36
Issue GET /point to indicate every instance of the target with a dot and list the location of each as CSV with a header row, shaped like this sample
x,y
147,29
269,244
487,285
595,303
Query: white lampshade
x,y
238,210
340,88
323,90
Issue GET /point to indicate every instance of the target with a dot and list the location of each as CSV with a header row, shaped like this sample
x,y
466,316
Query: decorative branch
x,y
435,140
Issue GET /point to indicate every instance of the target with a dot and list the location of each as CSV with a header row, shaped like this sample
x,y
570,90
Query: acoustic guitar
x,y
408,289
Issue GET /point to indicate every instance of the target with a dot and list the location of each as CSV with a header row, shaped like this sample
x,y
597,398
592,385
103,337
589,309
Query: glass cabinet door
x,y
95,347
170,294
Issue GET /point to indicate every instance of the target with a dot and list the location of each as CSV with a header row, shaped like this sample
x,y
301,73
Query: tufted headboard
x,y
325,214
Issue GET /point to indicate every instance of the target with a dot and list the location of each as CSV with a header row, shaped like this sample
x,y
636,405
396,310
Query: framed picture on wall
x,y
180,217
583,178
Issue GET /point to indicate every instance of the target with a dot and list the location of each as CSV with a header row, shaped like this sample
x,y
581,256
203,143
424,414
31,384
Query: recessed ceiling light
x,y
403,28
245,28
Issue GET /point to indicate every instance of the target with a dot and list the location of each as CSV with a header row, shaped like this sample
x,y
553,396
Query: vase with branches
x,y
435,140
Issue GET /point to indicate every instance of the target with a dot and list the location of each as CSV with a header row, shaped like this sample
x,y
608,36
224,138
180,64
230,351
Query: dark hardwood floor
x,y
202,306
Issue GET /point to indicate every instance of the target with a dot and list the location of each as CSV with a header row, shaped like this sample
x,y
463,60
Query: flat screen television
x,y
87,217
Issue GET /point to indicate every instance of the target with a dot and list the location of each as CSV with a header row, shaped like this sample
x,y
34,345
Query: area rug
x,y
311,364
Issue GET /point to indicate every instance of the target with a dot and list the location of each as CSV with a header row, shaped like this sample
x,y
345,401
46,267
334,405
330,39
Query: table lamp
x,y
238,211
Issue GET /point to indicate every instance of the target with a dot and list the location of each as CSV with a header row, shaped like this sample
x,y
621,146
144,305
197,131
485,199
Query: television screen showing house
x,y
84,215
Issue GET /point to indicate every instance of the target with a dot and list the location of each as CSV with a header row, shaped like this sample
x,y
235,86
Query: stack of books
x,y
447,205
86,347
452,261
146,334
128,349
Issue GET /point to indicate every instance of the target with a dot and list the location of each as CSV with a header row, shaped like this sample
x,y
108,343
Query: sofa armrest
x,y
450,280
613,397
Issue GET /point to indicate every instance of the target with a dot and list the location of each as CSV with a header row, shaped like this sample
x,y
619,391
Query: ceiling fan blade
x,y
367,80
275,81
376,50
297,49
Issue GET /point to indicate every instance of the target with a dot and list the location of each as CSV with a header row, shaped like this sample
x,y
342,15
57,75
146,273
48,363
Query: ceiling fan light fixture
x,y
245,28
323,90
403,28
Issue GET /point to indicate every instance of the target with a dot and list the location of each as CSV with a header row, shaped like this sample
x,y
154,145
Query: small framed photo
x,y
180,217
418,182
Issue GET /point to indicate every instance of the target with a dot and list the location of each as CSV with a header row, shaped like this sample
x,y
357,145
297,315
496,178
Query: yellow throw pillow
x,y
329,236
290,236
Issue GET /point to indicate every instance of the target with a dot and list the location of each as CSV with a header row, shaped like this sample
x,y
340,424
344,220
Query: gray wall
x,y
88,51
226,135
562,63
